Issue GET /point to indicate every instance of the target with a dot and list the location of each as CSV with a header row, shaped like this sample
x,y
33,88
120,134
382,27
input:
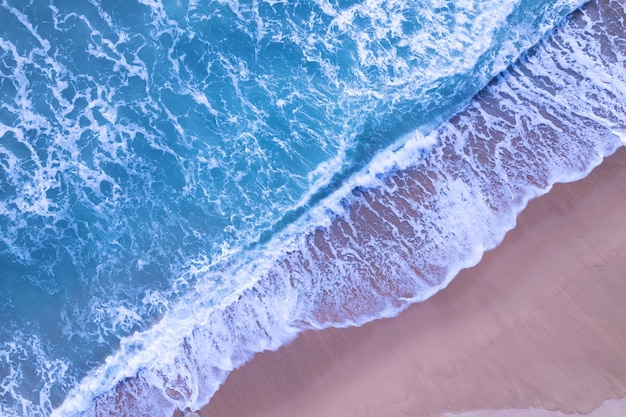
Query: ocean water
x,y
186,183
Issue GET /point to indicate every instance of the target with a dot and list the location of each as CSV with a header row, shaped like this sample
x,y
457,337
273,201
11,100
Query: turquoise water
x,y
159,159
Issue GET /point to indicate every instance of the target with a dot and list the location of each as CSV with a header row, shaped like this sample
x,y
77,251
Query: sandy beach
x,y
538,325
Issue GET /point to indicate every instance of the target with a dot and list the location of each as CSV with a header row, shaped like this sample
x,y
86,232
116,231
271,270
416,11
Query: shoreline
x,y
537,324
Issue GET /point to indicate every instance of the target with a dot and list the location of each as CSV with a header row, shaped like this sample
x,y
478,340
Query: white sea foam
x,y
31,356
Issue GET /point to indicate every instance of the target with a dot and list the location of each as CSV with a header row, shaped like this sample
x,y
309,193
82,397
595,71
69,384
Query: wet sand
x,y
539,324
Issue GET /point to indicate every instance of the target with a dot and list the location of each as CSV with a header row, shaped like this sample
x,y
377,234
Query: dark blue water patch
x,y
16,147
24,40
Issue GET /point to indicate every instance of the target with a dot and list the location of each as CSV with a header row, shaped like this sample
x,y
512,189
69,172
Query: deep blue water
x,y
157,156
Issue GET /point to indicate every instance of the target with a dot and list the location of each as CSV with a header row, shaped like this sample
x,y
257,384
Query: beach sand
x,y
539,324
